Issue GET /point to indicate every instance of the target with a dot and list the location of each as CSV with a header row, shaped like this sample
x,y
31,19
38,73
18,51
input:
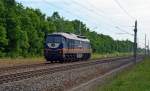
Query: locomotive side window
x,y
71,43
65,43
88,45
77,43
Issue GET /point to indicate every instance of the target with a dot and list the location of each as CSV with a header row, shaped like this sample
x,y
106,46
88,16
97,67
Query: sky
x,y
110,17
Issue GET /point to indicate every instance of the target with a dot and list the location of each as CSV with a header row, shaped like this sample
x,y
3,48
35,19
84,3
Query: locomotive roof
x,y
71,36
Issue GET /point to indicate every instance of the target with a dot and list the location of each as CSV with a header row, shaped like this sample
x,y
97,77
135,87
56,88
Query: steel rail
x,y
37,73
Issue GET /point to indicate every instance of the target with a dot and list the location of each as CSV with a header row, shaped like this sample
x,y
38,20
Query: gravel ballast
x,y
60,81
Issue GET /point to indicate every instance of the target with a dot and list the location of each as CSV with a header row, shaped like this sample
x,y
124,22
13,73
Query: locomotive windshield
x,y
54,39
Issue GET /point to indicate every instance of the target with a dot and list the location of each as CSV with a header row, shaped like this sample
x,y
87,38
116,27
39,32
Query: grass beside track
x,y
137,79
99,56
7,62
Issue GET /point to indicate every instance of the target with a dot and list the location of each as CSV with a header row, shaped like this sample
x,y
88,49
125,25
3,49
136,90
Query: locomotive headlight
x,y
49,45
53,45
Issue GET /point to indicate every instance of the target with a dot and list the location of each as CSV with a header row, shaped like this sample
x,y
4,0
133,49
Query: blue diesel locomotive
x,y
66,47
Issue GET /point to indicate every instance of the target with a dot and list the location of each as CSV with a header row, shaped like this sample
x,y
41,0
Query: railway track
x,y
6,69
32,67
63,67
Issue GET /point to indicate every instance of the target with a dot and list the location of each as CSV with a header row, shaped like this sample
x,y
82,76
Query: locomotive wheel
x,y
61,61
47,59
52,61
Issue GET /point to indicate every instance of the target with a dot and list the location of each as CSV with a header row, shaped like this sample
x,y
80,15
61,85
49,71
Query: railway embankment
x,y
61,78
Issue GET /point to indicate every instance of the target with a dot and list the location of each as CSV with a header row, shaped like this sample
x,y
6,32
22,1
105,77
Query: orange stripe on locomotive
x,y
76,50
72,50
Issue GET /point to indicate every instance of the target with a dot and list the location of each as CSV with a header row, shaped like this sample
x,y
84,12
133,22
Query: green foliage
x,y
3,41
23,31
3,36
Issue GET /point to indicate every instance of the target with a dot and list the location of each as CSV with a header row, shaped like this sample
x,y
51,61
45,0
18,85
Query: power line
x,y
95,13
123,9
124,31
95,7
101,11
91,10
67,11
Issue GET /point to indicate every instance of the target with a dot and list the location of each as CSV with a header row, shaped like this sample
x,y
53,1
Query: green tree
x,y
23,31
3,40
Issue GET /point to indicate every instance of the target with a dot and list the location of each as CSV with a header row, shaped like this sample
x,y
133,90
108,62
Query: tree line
x,y
23,31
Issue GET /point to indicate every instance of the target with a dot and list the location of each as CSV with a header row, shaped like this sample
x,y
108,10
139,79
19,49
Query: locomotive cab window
x,y
54,39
